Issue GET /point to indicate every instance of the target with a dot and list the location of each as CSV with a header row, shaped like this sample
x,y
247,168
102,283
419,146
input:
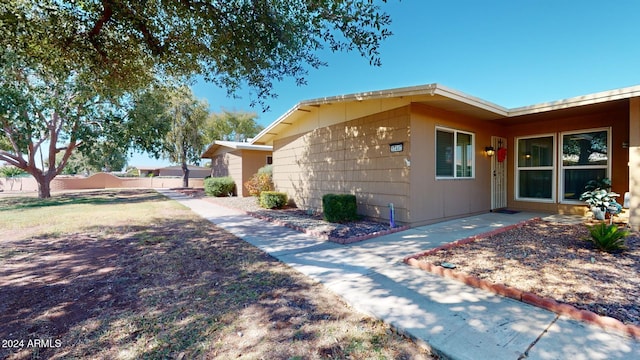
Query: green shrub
x,y
608,237
339,207
273,199
267,169
219,186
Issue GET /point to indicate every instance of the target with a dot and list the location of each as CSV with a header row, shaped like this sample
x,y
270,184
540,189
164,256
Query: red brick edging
x,y
513,293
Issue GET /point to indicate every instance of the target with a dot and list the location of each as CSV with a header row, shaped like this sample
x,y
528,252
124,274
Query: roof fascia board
x,y
429,89
600,97
437,89
242,145
470,100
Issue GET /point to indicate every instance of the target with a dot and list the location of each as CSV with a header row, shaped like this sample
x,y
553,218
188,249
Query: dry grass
x,y
130,274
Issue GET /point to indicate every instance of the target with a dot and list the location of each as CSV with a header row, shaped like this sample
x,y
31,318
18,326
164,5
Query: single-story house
x,y
195,172
436,153
238,160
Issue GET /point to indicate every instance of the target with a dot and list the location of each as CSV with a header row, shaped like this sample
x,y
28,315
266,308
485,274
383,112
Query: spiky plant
x,y
608,237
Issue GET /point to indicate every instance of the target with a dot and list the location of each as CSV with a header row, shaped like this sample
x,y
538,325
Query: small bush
x,y
339,207
267,169
219,186
262,181
608,237
273,199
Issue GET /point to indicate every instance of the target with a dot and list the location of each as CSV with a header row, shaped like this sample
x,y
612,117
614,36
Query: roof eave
x,y
600,97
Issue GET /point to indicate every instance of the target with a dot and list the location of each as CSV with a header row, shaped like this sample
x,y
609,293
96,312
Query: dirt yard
x,y
133,275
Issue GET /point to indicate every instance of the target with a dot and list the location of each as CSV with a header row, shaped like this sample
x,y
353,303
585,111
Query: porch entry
x,y
498,173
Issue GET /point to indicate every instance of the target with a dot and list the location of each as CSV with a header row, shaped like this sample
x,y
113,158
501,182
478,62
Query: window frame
x,y
562,167
552,167
455,133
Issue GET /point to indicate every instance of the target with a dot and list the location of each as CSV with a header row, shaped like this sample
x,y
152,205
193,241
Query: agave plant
x,y
608,237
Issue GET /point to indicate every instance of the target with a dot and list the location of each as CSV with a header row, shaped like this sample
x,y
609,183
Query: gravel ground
x,y
302,220
554,261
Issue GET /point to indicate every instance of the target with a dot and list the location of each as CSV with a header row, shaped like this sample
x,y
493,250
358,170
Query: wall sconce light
x,y
489,150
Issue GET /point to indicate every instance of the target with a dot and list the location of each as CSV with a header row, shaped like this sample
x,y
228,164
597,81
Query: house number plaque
x,y
396,147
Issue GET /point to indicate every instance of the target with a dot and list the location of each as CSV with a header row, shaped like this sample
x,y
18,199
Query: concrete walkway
x,y
457,321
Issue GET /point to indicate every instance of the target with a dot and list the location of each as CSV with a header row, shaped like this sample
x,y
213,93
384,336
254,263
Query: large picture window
x,y
585,157
454,154
535,168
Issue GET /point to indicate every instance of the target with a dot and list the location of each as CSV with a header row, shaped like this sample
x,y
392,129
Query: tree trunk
x,y
44,186
185,175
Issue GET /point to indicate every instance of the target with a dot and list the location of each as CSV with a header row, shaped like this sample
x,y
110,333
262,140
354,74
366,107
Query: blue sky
x,y
512,53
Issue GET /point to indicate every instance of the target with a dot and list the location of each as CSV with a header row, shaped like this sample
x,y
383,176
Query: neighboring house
x,y
423,149
195,172
239,160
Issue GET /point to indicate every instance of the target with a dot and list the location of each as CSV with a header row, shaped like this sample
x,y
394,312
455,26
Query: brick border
x,y
570,311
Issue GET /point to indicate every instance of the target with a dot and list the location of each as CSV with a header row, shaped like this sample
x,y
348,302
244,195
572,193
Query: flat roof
x,y
236,145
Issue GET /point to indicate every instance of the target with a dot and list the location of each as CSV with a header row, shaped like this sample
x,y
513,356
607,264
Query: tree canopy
x,y
74,74
231,126
47,114
231,43
185,140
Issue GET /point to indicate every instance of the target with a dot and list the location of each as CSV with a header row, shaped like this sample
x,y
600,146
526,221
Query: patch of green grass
x,y
69,212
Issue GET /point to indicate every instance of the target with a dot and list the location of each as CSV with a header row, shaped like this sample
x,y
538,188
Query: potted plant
x,y
600,199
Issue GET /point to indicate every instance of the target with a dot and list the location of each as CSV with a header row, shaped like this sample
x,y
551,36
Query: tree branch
x,y
13,159
107,12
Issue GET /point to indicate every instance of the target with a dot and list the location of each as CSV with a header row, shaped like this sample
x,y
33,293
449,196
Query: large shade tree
x,y
45,116
69,66
232,126
231,43
185,140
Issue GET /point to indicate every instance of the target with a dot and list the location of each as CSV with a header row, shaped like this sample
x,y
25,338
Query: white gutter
x,y
243,145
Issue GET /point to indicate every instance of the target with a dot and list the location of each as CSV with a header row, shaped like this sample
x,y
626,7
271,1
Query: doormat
x,y
506,211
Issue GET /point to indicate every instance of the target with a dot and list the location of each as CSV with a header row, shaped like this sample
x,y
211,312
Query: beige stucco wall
x,y
252,160
229,163
240,165
193,174
96,181
325,151
434,199
348,158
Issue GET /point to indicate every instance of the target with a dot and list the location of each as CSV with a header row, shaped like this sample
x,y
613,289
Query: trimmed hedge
x,y
273,199
219,186
339,207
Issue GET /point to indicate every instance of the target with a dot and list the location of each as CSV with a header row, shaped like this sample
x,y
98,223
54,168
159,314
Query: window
x,y
454,154
585,157
535,168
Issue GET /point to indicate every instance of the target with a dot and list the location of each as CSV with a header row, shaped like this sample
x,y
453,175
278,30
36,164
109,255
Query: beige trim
x,y
235,145
600,97
465,101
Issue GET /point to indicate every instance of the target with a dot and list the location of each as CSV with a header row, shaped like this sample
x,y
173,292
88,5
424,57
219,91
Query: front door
x,y
498,173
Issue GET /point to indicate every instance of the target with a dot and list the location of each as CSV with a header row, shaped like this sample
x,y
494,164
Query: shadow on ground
x,y
179,288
